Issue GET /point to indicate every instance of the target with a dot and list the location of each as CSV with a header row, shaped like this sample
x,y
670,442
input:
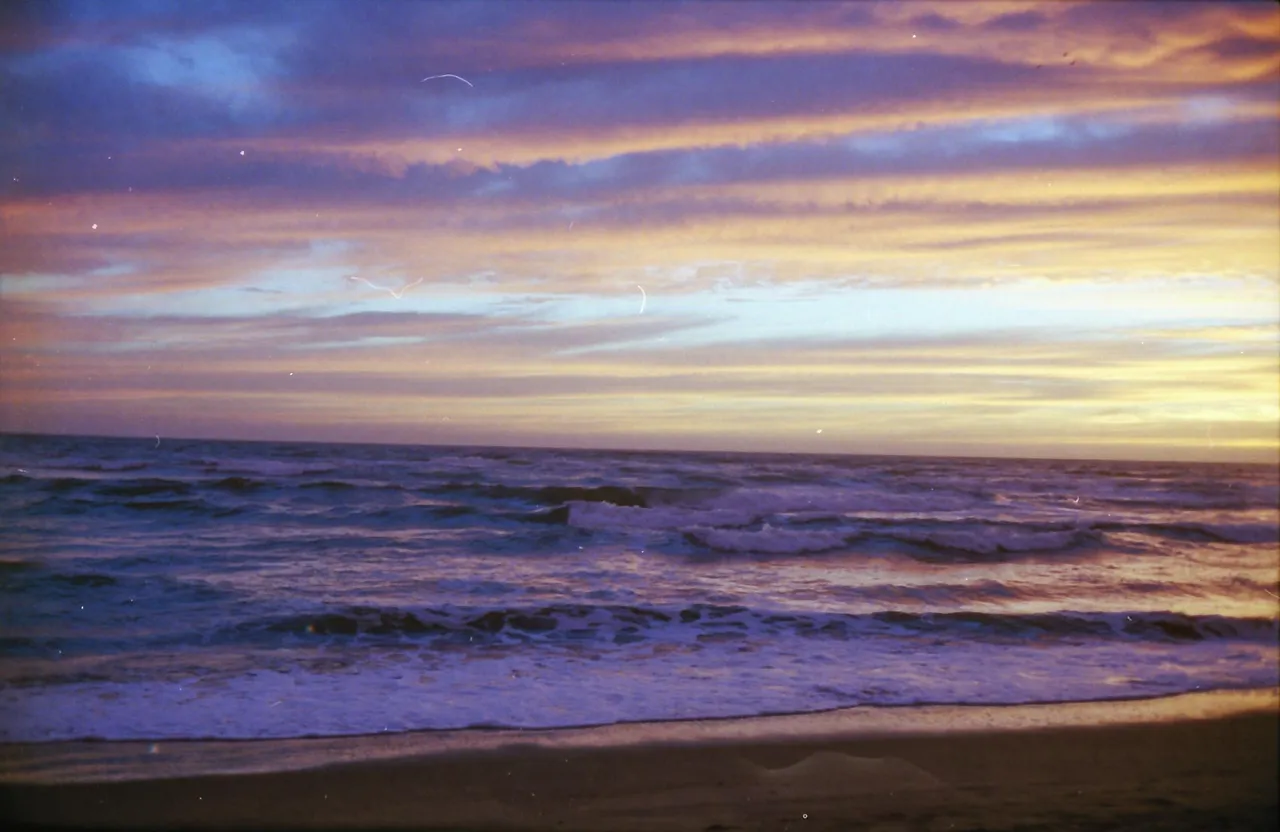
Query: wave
x,y
1203,531
850,499
428,512
62,484
237,484
994,541
329,485
86,579
749,528
931,527
605,516
932,543
768,540
619,624
560,496
172,505
143,488
97,465
951,595
265,467
746,529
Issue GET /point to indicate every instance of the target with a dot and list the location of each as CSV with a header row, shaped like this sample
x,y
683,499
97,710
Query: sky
x,y
961,228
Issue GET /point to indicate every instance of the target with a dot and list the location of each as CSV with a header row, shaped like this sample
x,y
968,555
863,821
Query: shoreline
x,y
1194,761
104,760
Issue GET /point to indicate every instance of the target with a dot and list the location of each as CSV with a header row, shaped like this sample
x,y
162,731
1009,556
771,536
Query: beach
x,y
1200,761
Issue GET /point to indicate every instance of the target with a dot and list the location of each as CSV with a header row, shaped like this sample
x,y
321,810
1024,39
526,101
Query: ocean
x,y
163,588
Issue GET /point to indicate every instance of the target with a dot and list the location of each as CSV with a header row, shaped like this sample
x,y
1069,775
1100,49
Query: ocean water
x,y
199,589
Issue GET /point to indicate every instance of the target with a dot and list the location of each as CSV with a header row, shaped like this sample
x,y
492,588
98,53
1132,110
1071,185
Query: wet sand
x,y
1196,762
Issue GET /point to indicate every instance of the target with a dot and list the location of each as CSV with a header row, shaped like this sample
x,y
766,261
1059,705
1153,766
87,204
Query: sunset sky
x,y
1014,229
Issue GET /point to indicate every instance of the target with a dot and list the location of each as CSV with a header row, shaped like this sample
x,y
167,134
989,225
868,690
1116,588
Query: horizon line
x,y
605,449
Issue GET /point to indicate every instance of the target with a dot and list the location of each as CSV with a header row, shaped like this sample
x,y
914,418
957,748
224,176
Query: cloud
x,y
934,22
234,75
189,191
1017,22
1038,143
1014,388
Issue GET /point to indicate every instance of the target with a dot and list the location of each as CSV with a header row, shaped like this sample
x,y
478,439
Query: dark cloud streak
x,y
970,149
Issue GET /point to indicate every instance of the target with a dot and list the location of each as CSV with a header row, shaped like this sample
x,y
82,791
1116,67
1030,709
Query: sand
x,y
1204,761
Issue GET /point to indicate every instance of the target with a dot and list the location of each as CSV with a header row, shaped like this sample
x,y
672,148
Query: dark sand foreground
x,y
1196,762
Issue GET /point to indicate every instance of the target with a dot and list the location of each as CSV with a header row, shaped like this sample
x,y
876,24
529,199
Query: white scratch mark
x,y
394,293
644,298
449,75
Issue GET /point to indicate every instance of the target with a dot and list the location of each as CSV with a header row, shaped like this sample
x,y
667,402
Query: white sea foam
x,y
537,690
